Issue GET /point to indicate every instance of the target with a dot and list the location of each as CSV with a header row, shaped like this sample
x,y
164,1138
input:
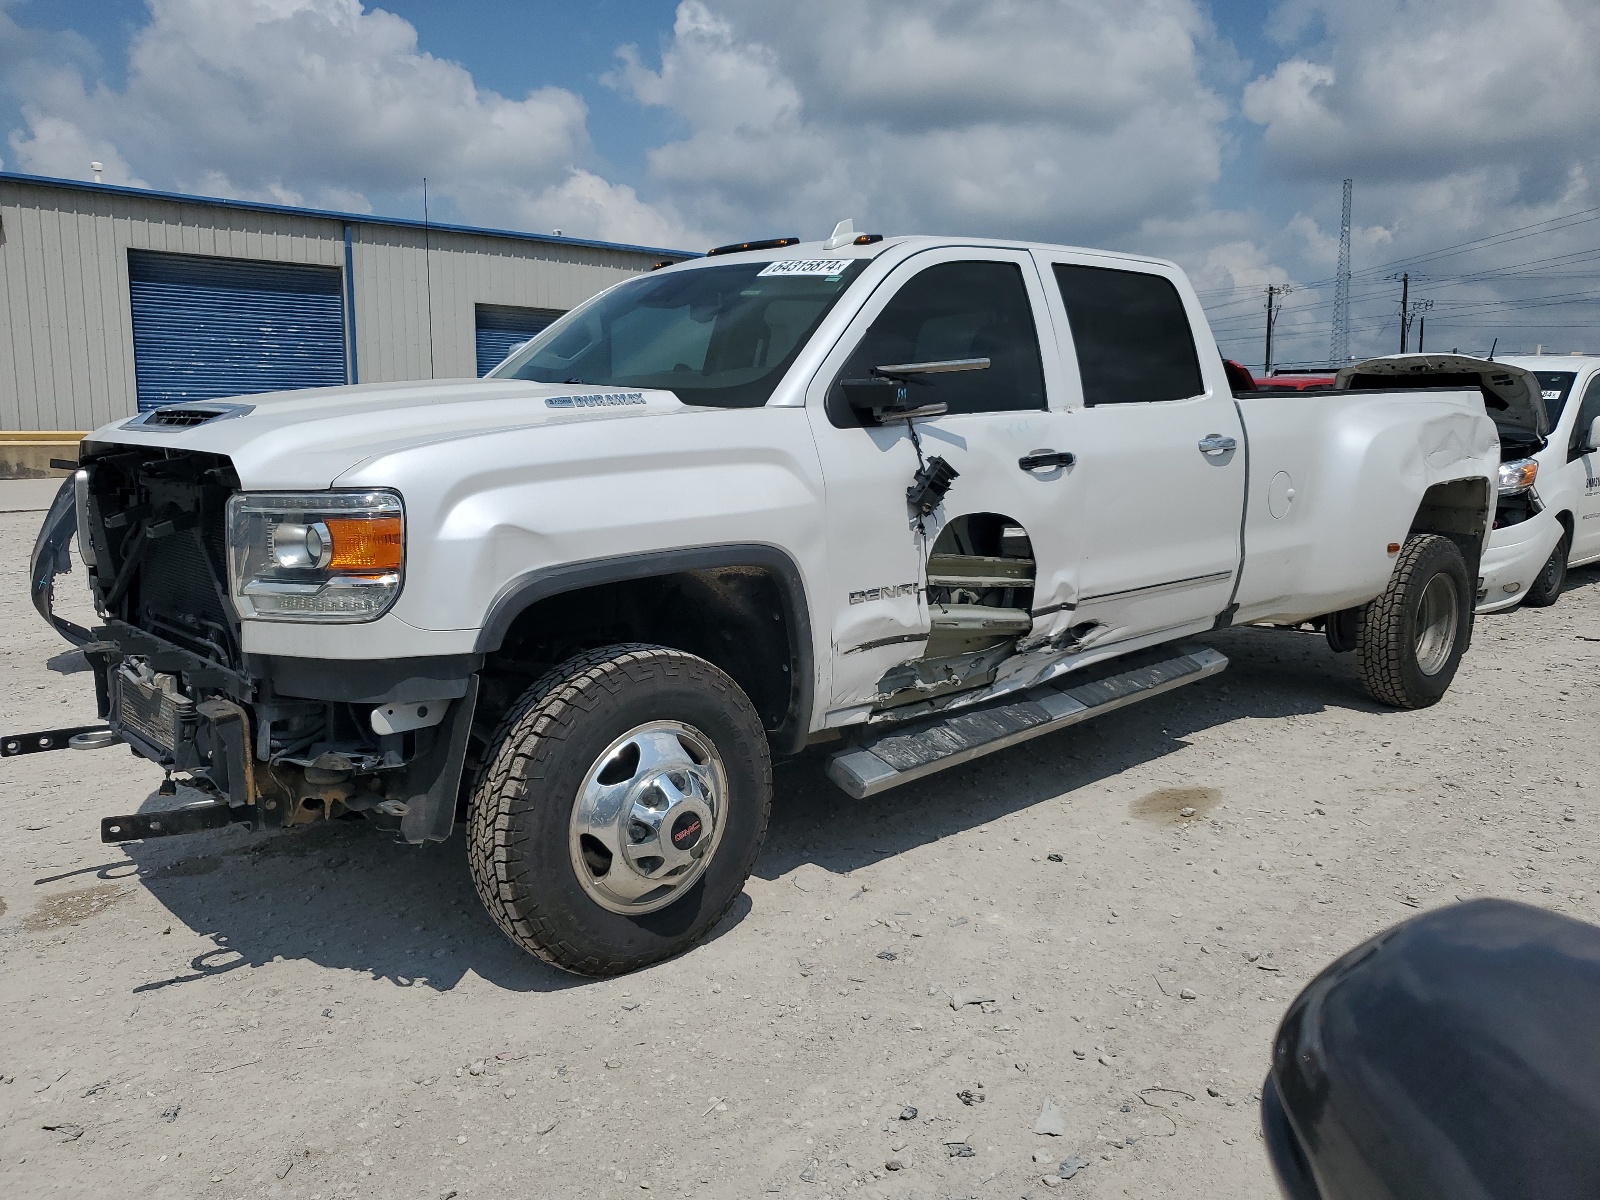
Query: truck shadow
x,y
1271,673
346,896
341,895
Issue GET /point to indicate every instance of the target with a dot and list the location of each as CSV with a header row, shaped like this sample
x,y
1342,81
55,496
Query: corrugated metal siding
x,y
502,326
205,328
66,324
392,272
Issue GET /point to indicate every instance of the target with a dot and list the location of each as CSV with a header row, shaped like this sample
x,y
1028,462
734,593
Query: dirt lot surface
x,y
1133,902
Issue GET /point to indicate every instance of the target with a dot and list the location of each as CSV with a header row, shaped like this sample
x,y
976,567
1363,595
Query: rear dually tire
x,y
1410,639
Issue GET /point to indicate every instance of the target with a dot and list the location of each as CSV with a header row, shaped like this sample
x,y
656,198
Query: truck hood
x,y
1511,395
308,439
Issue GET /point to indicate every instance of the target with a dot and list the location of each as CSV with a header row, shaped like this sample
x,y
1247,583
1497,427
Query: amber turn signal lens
x,y
365,543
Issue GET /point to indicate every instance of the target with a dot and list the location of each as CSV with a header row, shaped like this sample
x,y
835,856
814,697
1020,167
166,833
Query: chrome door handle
x,y
1216,443
1041,459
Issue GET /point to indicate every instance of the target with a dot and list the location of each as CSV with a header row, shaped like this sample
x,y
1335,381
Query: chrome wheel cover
x,y
1437,617
648,817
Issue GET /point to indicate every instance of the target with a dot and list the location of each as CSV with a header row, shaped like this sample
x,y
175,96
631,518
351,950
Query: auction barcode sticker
x,y
807,266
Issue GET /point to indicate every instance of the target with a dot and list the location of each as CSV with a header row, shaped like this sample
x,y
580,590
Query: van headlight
x,y
1517,476
315,556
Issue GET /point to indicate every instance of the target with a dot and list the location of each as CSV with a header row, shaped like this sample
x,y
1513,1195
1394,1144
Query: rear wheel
x,y
622,809
1410,640
1545,590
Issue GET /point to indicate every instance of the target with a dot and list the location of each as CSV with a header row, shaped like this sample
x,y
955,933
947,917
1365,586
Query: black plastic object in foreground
x,y
1455,1057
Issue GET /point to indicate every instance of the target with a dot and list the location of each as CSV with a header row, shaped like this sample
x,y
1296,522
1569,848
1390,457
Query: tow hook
x,y
79,737
139,827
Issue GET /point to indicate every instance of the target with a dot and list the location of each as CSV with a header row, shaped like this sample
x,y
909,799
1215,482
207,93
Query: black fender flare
x,y
527,589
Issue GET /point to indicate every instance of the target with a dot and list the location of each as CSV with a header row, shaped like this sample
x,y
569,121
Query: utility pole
x,y
1340,349
1273,308
1405,311
1414,313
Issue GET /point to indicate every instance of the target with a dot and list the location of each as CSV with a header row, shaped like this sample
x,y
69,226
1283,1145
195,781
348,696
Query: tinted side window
x,y
1132,335
1587,412
956,310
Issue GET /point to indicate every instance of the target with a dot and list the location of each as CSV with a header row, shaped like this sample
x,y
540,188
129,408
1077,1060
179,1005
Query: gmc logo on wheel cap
x,y
686,831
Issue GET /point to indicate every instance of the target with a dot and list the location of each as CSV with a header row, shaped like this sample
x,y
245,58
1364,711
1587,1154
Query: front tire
x,y
1545,590
1410,639
621,810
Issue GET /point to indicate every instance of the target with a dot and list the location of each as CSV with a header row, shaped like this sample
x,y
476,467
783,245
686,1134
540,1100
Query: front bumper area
x,y
1513,559
275,756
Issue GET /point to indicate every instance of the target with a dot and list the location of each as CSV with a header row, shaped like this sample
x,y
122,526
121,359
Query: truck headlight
x,y
1517,476
315,556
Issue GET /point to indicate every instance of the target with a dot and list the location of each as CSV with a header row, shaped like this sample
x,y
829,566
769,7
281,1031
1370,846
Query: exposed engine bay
x,y
273,744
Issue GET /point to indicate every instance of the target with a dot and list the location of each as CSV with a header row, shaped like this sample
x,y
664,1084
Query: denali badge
x,y
884,593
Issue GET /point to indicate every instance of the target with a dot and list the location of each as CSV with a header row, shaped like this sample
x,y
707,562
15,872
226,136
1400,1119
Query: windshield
x,y
719,336
1554,386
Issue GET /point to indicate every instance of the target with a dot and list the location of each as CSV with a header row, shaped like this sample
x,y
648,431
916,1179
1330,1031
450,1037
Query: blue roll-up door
x,y
205,328
502,326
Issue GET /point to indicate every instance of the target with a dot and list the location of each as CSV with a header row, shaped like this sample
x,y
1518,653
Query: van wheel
x,y
1546,587
621,809
1409,640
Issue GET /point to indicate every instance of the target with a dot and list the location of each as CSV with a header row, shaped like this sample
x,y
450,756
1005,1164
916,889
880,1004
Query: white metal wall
x,y
66,334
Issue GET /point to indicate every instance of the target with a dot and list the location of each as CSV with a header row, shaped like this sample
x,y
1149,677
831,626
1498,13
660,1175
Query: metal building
x,y
117,299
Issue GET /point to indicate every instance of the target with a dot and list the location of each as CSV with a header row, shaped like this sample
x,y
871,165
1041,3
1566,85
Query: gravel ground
x,y
1111,919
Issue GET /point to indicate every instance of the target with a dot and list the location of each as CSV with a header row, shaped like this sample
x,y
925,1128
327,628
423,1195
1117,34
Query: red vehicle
x,y
1296,381
1241,380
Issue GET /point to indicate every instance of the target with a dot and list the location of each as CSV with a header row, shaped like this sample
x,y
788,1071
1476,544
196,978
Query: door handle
x,y
1216,443
1041,459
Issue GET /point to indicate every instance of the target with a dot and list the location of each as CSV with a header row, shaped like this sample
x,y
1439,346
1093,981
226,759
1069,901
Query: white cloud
x,y
323,103
1066,120
1412,91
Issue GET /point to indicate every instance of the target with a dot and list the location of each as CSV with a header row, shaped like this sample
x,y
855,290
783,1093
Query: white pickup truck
x,y
906,499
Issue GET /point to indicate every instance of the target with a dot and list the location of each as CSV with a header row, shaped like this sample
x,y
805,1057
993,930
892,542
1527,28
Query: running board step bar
x,y
902,753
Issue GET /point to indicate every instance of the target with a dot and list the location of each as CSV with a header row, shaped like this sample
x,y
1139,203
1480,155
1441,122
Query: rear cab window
x,y
1131,335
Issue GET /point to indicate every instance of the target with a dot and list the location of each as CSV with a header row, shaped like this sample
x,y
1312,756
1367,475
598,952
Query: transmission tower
x,y
1341,286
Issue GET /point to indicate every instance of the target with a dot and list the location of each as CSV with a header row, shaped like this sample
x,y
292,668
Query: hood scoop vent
x,y
186,416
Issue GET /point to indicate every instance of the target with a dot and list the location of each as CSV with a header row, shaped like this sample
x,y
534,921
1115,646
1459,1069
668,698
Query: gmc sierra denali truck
x,y
908,500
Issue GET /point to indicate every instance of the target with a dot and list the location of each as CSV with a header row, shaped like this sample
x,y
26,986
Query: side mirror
x,y
885,396
880,399
1591,439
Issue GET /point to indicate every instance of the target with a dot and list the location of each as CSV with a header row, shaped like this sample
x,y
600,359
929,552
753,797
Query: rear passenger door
x,y
1160,452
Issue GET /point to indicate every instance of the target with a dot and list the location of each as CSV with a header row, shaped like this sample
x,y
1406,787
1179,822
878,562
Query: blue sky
x,y
1214,133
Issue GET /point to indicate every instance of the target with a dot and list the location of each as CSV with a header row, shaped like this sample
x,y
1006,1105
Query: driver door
x,y
943,304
